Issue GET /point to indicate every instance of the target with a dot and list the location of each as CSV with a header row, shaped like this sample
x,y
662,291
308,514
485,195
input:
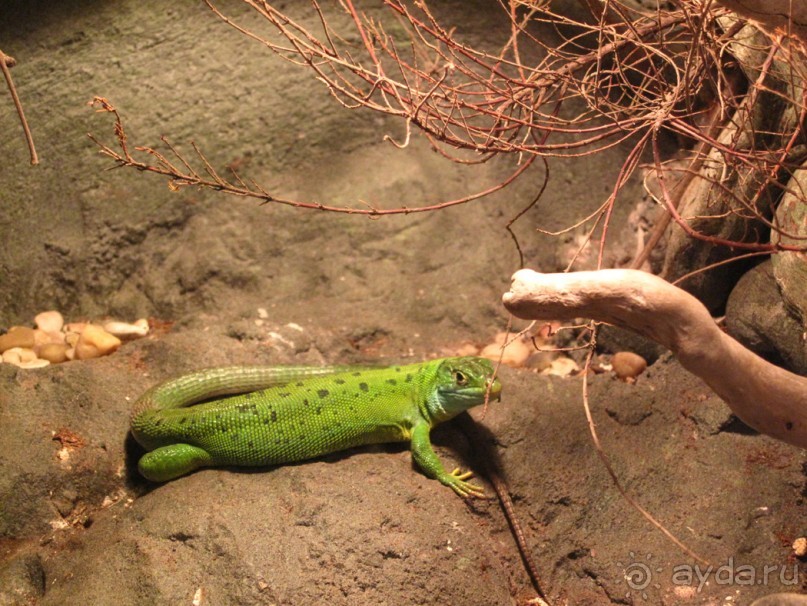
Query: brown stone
x,y
628,365
17,336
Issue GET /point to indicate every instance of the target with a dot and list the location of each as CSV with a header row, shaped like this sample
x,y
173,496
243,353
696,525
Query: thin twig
x,y
5,63
606,462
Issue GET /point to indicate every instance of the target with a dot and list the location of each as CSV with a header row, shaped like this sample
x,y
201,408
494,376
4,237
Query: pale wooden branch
x,y
782,15
769,399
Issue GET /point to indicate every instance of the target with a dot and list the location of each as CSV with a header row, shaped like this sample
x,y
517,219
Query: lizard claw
x,y
456,480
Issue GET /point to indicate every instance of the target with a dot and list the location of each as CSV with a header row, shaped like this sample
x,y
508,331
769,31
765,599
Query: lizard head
x,y
460,384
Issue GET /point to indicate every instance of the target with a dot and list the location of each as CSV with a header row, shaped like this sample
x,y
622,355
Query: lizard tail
x,y
215,382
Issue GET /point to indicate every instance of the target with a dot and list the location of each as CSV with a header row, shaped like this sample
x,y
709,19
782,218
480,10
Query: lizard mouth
x,y
494,390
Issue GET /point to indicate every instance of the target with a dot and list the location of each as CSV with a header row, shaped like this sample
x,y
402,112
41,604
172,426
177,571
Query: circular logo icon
x,y
638,576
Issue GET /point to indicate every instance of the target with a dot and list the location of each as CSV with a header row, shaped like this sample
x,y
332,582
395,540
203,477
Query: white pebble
x,y
49,321
125,330
561,367
18,356
35,363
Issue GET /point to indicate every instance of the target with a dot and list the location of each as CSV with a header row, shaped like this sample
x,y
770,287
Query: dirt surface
x,y
77,526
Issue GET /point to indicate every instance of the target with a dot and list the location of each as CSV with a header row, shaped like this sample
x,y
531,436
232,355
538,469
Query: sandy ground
x,y
364,527
77,526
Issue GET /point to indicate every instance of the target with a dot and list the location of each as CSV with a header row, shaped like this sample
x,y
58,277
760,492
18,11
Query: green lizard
x,y
285,414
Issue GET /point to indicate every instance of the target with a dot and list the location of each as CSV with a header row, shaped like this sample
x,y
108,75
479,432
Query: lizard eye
x,y
460,378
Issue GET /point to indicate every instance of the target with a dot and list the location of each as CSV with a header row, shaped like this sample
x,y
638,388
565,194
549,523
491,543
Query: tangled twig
x,y
627,76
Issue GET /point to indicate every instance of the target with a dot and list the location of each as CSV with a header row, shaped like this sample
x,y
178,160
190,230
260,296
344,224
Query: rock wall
x,y
91,241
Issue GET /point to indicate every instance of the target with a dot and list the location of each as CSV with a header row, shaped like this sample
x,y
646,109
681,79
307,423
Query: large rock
x,y
757,316
790,267
732,201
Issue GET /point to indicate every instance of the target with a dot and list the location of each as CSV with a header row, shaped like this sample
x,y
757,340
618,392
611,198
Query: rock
x,y
516,353
800,547
757,316
35,363
75,327
732,200
628,365
53,352
40,338
125,330
18,356
466,349
94,342
49,321
541,360
612,339
561,367
17,336
790,268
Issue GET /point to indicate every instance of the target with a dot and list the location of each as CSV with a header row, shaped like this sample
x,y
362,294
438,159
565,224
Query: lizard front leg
x,y
427,460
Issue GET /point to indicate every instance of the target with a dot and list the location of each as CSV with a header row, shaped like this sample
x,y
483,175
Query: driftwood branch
x,y
773,15
769,399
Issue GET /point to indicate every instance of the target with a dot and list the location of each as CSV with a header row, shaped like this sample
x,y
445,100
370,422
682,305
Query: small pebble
x,y
466,349
125,330
541,360
54,352
17,336
76,327
95,342
561,367
54,342
18,356
42,338
628,365
35,363
515,352
49,321
56,337
800,547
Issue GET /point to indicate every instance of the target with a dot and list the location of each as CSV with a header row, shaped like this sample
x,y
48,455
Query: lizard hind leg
x,y
169,462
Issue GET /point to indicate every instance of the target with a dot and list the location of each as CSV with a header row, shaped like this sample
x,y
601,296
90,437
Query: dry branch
x,y
5,63
556,85
180,171
769,399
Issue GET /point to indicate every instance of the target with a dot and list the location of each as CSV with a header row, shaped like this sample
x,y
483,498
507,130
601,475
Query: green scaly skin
x,y
285,414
